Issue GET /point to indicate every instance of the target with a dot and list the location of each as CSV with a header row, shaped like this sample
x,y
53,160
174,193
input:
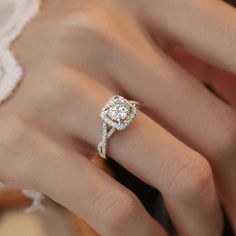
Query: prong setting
x,y
118,112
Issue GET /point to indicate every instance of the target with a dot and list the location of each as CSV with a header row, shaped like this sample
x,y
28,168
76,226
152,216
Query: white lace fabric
x,y
14,15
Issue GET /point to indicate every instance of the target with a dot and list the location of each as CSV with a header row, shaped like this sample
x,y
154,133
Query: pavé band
x,y
117,114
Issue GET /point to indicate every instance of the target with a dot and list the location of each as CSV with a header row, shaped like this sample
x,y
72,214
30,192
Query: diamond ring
x,y
117,114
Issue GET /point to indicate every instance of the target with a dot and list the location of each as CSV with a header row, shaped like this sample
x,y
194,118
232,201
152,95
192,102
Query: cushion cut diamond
x,y
118,112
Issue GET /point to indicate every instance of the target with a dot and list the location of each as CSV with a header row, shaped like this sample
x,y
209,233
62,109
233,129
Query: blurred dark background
x,y
233,2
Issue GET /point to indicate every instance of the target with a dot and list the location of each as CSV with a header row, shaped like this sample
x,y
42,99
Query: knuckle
x,y
91,22
90,27
116,209
192,180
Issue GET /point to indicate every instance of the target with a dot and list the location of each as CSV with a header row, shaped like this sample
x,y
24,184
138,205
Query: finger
x,y
205,27
183,176
222,82
107,206
185,107
72,180
164,107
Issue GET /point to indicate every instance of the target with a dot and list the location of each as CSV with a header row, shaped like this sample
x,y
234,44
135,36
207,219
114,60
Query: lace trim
x,y
17,14
10,71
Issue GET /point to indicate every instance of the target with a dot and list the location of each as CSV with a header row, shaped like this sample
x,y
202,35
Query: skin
x,y
76,55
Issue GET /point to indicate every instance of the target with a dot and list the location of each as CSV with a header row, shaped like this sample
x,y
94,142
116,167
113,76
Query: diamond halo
x,y
117,114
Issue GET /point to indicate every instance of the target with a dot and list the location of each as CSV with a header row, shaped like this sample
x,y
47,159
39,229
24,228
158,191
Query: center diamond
x,y
118,112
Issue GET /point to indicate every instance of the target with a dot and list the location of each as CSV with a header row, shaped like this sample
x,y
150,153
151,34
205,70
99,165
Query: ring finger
x,y
151,153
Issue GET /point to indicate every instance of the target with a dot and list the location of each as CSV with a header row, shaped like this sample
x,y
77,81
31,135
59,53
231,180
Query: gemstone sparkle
x,y
118,112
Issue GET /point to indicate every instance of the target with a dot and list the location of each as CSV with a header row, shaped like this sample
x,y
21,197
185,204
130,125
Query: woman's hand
x,y
76,55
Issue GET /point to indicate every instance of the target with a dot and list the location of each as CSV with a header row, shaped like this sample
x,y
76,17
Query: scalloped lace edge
x,y
10,70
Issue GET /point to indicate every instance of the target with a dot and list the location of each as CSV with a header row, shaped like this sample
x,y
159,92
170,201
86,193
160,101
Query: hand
x,y
76,56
